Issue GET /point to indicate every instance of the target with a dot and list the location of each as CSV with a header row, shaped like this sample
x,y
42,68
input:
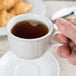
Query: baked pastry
x,y
21,7
10,15
11,8
72,20
3,18
7,4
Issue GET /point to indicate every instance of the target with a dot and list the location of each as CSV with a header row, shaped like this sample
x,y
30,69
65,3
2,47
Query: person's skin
x,y
68,39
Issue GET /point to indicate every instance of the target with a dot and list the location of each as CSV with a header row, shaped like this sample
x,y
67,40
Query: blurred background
x,y
55,5
60,0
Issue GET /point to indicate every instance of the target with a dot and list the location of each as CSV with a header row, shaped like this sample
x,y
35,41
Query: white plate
x,y
72,16
63,12
38,8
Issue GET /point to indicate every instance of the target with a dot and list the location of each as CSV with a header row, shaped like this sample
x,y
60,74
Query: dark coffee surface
x,y
29,29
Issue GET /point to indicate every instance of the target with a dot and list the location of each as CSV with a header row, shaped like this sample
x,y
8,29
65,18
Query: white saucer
x,y
12,65
38,8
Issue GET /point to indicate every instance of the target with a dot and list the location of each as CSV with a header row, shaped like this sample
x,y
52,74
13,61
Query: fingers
x,y
68,51
72,44
64,51
62,39
72,59
67,28
74,49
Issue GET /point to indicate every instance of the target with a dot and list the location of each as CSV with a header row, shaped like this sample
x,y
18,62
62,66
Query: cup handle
x,y
55,32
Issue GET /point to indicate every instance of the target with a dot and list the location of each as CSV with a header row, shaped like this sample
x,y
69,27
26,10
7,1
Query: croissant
x,y
7,4
10,15
11,8
22,7
3,18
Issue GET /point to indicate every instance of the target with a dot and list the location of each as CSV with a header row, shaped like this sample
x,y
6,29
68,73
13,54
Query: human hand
x,y
68,39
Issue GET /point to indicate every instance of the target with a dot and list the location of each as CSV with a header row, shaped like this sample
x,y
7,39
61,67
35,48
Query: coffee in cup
x,y
29,29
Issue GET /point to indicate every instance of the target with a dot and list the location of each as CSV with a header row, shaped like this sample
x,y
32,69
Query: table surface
x,y
66,69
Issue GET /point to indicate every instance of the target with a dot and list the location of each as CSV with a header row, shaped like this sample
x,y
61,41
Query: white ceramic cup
x,y
29,48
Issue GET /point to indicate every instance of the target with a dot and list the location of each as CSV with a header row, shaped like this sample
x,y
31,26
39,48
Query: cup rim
x,y
23,39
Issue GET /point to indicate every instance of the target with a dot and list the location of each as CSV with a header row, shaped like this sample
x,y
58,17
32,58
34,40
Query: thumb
x,y
67,28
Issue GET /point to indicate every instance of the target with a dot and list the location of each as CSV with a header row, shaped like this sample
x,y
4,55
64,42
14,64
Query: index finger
x,y
67,28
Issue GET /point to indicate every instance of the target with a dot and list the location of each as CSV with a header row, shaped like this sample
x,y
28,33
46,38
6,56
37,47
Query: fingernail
x,y
60,21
